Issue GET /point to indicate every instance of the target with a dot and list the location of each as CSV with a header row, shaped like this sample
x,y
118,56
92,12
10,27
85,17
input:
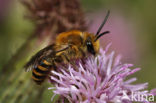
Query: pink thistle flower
x,y
99,80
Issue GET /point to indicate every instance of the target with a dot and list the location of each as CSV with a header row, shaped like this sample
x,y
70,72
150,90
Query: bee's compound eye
x,y
90,48
89,43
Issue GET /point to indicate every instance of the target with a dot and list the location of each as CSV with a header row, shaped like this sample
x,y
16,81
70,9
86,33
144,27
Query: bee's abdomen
x,y
41,71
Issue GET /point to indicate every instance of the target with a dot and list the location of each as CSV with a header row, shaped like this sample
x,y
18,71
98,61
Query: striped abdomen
x,y
40,73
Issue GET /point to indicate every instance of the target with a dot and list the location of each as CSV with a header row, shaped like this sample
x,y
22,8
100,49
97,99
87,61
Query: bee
x,y
68,46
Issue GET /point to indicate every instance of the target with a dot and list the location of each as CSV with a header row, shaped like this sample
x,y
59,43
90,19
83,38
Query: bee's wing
x,y
44,53
49,50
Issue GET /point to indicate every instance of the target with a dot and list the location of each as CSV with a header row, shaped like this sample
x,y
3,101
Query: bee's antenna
x,y
98,36
103,23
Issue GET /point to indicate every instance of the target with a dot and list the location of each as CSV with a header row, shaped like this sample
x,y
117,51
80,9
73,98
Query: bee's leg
x,y
66,58
82,52
81,55
70,61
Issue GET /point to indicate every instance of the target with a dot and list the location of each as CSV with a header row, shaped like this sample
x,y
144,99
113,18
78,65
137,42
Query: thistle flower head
x,y
66,14
99,80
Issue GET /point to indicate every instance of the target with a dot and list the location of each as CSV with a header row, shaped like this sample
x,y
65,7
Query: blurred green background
x,y
15,85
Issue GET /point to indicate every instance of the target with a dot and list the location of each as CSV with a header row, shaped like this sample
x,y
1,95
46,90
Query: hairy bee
x,y
68,46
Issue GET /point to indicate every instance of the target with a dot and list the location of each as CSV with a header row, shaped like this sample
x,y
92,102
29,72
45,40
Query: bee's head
x,y
91,41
